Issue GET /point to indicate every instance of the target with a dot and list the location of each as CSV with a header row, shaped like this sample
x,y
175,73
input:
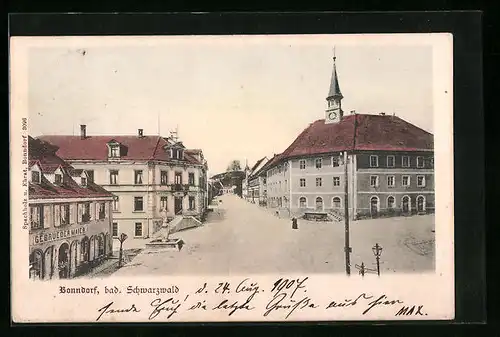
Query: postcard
x,y
238,178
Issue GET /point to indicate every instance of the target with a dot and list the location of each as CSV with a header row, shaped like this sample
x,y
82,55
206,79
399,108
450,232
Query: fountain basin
x,y
170,244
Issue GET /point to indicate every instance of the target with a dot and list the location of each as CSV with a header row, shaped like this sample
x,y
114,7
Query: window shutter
x,y
72,213
47,216
57,215
94,211
106,209
80,212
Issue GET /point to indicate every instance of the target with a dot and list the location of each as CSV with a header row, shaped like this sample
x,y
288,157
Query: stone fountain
x,y
162,240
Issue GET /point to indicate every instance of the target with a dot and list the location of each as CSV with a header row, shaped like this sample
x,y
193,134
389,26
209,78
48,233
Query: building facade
x,y
386,163
152,177
254,181
70,216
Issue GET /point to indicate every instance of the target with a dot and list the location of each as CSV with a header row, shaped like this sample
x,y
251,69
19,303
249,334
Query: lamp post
x,y
377,251
347,248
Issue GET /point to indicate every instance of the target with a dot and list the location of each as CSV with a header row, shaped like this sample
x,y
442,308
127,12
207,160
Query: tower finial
x,y
334,55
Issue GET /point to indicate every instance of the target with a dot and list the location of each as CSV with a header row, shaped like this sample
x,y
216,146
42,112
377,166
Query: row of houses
x,y
382,165
85,191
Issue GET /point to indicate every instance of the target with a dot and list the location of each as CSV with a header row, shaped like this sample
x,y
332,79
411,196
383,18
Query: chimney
x,y
353,112
83,131
140,133
382,114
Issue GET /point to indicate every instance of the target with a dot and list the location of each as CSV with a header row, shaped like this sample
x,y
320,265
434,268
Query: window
x,y
302,182
35,177
336,202
116,204
63,214
163,177
113,177
36,217
84,212
432,162
420,162
421,181
319,163
373,161
178,177
115,229
390,161
335,161
405,161
192,204
336,181
102,210
373,181
114,151
138,204
138,229
191,179
138,177
90,175
84,181
58,179
318,182
406,180
163,203
390,181
390,202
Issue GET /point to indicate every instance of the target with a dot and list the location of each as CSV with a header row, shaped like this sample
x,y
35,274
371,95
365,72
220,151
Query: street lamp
x,y
377,251
347,248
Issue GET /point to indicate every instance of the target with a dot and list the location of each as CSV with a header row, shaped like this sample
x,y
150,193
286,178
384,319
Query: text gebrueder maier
x,y
283,299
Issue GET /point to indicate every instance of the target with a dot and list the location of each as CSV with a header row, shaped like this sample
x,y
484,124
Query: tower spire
x,y
334,82
334,111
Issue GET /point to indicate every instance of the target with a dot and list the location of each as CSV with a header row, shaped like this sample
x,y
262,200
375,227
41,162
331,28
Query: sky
x,y
232,97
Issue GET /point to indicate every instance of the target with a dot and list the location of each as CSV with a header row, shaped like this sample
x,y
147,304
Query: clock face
x,y
332,115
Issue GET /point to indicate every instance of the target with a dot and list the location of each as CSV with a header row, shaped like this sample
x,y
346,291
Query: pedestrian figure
x,y
294,223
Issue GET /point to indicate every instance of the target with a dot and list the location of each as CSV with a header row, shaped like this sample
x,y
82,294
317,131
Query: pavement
x,y
240,238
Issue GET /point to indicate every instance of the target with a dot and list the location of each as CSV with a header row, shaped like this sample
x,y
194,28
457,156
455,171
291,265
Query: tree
x,y
235,165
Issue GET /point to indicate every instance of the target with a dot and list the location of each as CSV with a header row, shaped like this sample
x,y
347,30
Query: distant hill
x,y
231,178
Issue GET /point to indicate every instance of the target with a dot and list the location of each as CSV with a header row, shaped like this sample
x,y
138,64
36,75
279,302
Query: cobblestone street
x,y
244,238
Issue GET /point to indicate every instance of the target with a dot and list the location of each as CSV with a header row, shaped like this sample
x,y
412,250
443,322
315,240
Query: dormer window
x,y
84,181
114,149
35,177
58,179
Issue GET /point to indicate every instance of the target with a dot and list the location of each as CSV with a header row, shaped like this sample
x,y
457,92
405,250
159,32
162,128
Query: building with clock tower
x,y
390,166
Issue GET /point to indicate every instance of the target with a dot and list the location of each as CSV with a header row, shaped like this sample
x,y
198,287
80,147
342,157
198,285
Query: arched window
x,y
390,202
100,243
303,202
319,204
421,204
336,202
374,206
405,204
36,265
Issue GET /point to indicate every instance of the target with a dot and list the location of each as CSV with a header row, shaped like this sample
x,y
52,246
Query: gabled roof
x,y
43,155
94,147
252,170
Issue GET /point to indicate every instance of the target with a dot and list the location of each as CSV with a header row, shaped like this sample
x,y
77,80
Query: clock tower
x,y
334,113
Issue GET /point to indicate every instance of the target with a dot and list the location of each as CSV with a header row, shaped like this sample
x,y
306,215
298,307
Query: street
x,y
243,238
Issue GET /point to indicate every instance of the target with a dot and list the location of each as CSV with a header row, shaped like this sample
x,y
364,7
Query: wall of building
x,y
76,243
151,190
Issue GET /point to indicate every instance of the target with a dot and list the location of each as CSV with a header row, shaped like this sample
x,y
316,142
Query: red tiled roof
x,y
360,132
43,154
95,147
